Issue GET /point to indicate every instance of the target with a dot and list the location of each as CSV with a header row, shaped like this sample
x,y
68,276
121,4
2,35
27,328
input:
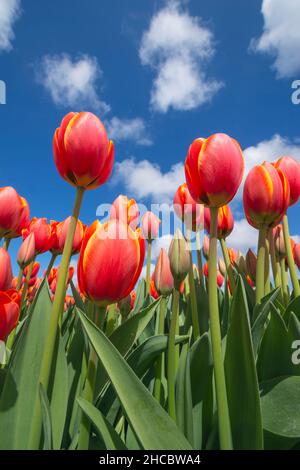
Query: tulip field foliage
x,y
262,382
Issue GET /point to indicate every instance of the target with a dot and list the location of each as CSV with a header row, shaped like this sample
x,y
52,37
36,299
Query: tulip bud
x,y
152,290
225,221
60,230
233,256
222,266
14,213
279,241
6,275
187,209
26,252
205,248
241,263
251,261
163,279
126,210
179,258
9,312
220,278
150,225
44,234
291,169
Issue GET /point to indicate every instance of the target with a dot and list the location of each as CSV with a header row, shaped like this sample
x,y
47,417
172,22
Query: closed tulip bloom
x,y
126,210
251,262
179,258
6,274
163,278
220,278
266,195
205,248
110,261
44,234
291,170
53,276
152,289
225,221
34,271
14,213
222,266
26,252
9,312
214,169
150,225
61,231
187,209
83,154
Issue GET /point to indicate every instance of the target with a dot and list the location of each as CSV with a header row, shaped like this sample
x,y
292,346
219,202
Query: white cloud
x,y
281,35
144,271
128,129
71,83
9,12
159,243
243,236
143,179
177,46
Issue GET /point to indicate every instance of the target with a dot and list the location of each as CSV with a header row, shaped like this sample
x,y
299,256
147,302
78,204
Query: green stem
x,y
88,391
193,296
50,265
199,259
275,266
159,366
20,277
260,266
289,255
219,374
6,243
284,283
267,266
148,266
57,309
171,363
228,265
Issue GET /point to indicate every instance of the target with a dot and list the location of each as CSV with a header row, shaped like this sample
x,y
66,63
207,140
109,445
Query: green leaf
x,y
151,424
78,300
46,416
241,377
184,406
21,383
141,297
293,307
111,439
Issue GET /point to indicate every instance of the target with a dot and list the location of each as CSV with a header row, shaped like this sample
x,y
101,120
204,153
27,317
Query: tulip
x,y
297,255
225,222
179,258
126,210
291,169
150,225
26,252
9,312
6,275
251,262
187,209
152,289
220,277
34,270
205,248
44,234
114,253
222,266
61,231
53,277
163,279
14,213
214,169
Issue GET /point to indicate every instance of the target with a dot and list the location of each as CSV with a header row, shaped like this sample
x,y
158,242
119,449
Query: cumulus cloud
x,y
281,35
178,46
243,236
10,11
143,179
128,129
71,83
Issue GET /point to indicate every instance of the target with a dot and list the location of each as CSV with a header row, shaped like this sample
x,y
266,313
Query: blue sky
x,y
159,73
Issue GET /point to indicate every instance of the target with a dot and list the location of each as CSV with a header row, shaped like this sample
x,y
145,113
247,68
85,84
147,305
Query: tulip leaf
x,y
46,417
241,377
110,437
184,406
78,300
153,427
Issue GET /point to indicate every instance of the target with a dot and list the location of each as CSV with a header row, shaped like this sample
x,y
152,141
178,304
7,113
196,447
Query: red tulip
x,y
266,195
152,290
214,169
233,256
222,266
110,262
150,225
53,276
26,252
205,247
44,234
61,230
163,279
34,271
187,209
6,275
220,278
14,213
82,152
126,210
291,169
251,262
9,312
225,221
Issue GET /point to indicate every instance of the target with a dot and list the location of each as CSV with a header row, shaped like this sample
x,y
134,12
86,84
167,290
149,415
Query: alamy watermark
x,y
2,92
295,96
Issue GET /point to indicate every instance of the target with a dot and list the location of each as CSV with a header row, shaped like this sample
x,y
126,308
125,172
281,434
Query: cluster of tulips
x,y
196,356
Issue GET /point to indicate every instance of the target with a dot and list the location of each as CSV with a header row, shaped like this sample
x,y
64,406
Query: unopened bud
x,y
27,251
163,278
179,258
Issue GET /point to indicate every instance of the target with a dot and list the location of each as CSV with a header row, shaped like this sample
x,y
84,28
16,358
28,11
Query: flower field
x,y
202,353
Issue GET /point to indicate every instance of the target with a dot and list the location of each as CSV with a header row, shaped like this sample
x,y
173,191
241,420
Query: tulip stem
x,y
6,243
193,296
148,266
57,309
26,284
260,266
228,265
50,265
219,374
171,362
267,266
199,258
284,283
20,276
275,267
88,390
159,366
289,254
